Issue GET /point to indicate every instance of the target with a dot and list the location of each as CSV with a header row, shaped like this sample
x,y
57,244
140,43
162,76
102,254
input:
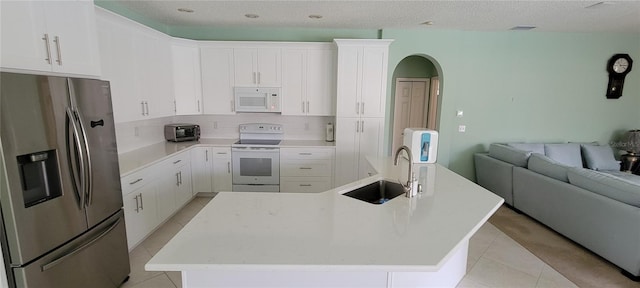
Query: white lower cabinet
x,y
357,138
221,169
140,208
154,194
211,169
306,170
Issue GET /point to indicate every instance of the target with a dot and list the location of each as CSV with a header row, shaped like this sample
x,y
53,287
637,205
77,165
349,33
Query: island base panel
x,y
448,276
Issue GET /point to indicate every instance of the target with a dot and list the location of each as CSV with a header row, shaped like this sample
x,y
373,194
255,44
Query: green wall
x,y
513,85
521,86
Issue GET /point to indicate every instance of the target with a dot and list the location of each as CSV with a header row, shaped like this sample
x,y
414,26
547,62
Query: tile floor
x,y
494,260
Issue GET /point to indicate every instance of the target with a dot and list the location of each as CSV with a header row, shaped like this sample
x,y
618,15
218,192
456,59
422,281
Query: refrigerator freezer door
x,y
40,208
91,100
98,258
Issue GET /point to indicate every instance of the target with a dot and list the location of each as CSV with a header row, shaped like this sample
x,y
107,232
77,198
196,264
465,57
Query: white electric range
x,y
256,158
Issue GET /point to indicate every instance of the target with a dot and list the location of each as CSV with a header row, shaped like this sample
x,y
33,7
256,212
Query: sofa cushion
x,y
533,147
546,166
567,154
599,157
509,154
606,184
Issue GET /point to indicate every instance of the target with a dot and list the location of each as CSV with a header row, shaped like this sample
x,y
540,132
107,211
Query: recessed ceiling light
x,y
185,10
313,16
428,23
252,16
522,28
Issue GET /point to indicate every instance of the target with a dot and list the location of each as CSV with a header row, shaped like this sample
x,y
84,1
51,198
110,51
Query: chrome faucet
x,y
408,188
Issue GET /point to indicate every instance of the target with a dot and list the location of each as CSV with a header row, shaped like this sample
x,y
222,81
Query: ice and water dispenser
x,y
39,176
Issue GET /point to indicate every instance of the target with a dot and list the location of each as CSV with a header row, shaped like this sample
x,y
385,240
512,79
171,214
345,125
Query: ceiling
x,y
550,16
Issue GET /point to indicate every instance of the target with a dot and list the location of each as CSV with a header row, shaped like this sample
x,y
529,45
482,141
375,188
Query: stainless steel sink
x,y
377,192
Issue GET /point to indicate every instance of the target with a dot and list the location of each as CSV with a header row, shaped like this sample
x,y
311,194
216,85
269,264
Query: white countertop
x,y
137,159
328,231
140,158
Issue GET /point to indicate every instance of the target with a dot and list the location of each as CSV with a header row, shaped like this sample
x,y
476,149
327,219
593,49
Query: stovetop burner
x,y
257,142
259,134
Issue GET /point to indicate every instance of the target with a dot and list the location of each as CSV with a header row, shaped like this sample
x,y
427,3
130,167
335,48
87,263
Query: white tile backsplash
x,y
137,134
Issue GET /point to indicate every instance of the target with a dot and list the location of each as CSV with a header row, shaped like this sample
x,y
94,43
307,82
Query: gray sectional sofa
x,y
575,189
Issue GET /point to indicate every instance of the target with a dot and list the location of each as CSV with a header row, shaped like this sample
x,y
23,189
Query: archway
x,y
415,96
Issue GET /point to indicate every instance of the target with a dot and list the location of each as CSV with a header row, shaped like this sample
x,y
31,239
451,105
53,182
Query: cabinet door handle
x,y
305,153
221,153
141,202
146,104
357,107
362,107
229,167
142,104
307,106
180,176
362,126
357,126
302,106
134,182
305,185
175,107
177,180
233,107
206,155
137,204
198,105
46,44
57,41
258,77
305,168
176,162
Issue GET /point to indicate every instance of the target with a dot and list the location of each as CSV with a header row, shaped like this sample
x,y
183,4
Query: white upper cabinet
x,y
138,64
362,77
308,81
187,87
217,68
52,36
257,67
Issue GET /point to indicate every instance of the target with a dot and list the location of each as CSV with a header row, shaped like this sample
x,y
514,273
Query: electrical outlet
x,y
462,128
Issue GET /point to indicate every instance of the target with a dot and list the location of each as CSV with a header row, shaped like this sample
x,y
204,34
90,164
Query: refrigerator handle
x,y
88,187
79,190
60,259
89,167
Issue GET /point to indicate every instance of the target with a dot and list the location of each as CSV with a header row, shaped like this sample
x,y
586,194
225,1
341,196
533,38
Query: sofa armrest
x,y
495,175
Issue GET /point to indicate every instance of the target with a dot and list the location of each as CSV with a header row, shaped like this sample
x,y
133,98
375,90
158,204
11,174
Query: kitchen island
x,y
330,240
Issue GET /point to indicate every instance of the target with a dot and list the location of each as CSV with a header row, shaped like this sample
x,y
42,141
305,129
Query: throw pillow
x,y
599,157
567,154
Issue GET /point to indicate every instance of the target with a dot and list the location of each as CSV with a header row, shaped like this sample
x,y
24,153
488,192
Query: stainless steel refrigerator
x,y
62,218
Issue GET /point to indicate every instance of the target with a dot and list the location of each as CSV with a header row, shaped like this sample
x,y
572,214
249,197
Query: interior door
x,y
93,101
41,208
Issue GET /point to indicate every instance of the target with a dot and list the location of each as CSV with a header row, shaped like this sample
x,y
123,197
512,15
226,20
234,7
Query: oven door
x,y
256,165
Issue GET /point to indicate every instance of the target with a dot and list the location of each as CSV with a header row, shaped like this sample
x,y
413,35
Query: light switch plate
x,y
459,113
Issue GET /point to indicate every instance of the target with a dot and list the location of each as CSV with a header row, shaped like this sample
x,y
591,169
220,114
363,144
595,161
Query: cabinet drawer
x,y
135,180
305,184
176,161
306,153
221,152
298,168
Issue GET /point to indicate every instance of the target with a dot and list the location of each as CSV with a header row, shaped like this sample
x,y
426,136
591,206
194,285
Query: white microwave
x,y
257,99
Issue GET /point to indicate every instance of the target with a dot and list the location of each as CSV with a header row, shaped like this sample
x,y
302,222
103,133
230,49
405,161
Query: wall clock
x,y
618,66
